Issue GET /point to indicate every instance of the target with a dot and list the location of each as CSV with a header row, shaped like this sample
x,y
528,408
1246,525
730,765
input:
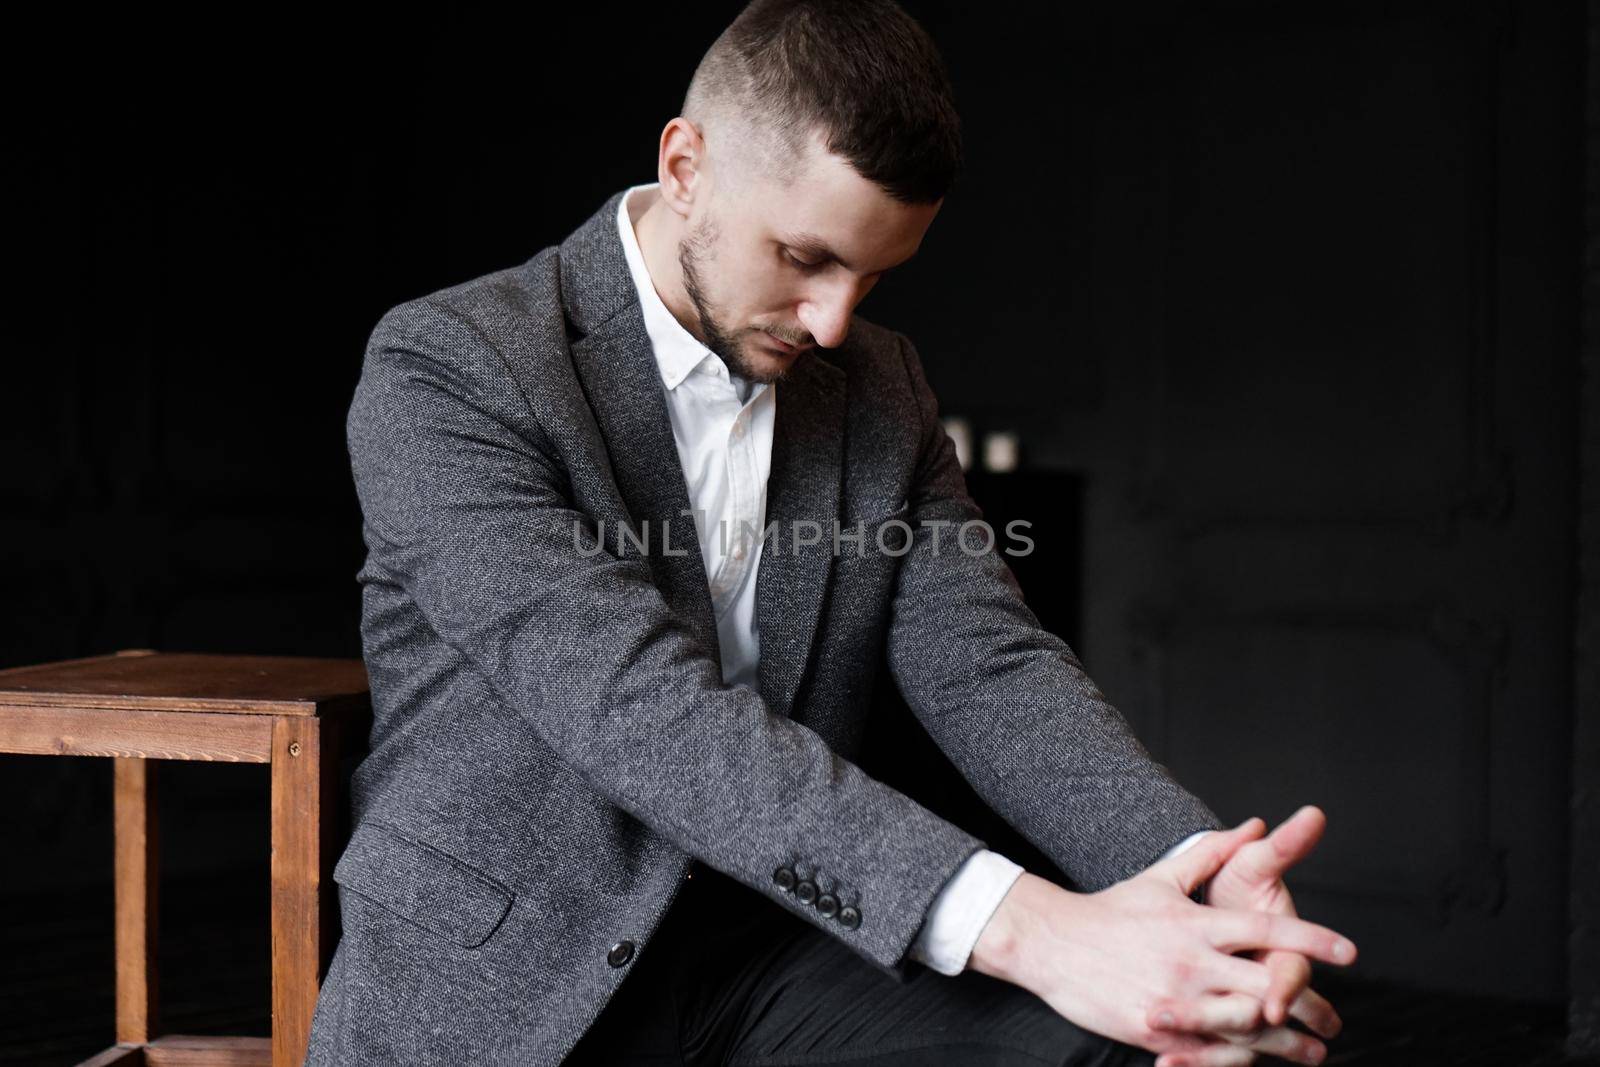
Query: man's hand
x,y
1101,959
1252,880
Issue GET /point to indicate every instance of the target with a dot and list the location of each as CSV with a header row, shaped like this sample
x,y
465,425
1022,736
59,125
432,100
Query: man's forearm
x,y
1007,701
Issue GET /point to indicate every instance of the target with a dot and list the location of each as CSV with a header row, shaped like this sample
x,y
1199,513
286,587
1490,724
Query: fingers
x,y
1239,1013
1291,973
1234,1013
1230,1018
1292,841
1289,1044
1313,1009
1198,864
1209,1056
1234,974
1235,931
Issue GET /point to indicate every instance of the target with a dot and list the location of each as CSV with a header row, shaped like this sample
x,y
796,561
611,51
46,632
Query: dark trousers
x,y
731,978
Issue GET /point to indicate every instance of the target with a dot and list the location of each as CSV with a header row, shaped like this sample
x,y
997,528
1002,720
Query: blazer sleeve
x,y
466,505
1007,701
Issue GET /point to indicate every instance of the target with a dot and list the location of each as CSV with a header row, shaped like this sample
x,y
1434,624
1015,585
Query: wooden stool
x,y
295,713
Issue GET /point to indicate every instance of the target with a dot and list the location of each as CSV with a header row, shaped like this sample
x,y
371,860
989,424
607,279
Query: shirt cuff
x,y
1185,844
962,909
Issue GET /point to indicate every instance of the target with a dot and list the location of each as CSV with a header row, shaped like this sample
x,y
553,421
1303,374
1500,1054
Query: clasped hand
x,y
1143,964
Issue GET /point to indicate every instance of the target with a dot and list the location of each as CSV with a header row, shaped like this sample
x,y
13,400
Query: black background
x,y
1283,301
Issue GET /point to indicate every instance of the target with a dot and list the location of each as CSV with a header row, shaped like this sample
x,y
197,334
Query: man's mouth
x,y
783,346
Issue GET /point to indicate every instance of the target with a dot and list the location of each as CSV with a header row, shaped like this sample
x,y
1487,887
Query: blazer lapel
x,y
804,485
616,367
617,370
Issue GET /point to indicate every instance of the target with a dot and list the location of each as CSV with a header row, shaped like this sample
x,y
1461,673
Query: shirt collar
x,y
677,351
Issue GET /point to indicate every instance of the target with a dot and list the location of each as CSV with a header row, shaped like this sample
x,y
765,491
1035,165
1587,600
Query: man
x,y
609,814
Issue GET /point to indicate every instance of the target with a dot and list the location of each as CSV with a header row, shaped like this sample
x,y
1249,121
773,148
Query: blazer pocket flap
x,y
420,883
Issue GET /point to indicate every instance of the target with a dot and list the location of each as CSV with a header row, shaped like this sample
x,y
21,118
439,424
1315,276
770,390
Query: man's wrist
x,y
962,909
1002,950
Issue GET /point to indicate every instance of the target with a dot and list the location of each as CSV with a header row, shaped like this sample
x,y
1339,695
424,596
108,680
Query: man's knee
x,y
1024,1030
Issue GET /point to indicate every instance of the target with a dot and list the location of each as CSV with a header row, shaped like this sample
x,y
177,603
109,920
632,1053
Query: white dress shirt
x,y
722,425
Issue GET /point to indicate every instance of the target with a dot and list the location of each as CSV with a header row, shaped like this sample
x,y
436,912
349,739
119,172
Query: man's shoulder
x,y
501,338
874,356
871,341
509,302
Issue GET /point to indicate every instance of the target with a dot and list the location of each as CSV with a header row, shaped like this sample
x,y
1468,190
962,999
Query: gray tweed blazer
x,y
552,743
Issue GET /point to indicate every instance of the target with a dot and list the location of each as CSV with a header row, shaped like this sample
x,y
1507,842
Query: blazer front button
x,y
828,905
850,917
806,892
620,953
784,877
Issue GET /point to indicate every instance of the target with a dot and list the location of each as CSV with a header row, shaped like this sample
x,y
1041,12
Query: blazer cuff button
x,y
850,917
828,905
806,892
784,878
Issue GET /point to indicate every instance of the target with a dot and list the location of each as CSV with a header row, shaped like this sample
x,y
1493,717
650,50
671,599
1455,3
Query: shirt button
x,y
620,953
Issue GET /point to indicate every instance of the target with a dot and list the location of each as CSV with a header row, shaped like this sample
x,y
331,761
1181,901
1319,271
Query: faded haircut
x,y
862,74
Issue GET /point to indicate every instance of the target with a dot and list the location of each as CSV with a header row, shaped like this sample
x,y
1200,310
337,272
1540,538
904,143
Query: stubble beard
x,y
691,250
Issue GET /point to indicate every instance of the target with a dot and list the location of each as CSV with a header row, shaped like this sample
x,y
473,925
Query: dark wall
x,y
1289,289
1333,279
1583,919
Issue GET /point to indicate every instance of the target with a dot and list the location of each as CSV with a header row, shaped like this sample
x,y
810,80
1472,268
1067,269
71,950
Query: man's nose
x,y
826,312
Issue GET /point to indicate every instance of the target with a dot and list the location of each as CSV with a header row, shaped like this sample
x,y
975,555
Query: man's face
x,y
773,269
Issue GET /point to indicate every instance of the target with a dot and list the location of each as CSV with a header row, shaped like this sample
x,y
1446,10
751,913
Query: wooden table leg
x,y
135,863
301,798
334,828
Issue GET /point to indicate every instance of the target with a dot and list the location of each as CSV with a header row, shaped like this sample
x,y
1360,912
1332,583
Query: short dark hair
x,y
861,72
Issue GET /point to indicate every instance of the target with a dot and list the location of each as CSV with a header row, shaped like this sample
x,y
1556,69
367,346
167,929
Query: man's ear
x,y
681,158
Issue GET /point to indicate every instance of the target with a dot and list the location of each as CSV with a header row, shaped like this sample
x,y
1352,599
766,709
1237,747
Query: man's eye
x,y
801,263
